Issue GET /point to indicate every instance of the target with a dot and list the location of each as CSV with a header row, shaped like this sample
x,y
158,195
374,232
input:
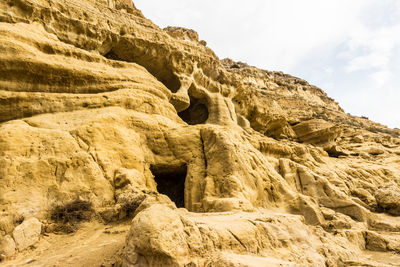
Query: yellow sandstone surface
x,y
109,121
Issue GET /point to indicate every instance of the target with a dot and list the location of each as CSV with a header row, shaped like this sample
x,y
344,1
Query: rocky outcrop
x,y
317,132
105,116
160,235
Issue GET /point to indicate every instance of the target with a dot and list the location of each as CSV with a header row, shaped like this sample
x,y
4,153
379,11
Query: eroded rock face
x,y
99,105
164,236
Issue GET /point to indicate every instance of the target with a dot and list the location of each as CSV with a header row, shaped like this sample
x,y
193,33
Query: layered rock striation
x,y
105,116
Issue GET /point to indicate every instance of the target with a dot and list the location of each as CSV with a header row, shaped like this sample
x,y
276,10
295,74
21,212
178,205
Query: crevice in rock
x,y
204,152
299,180
171,182
252,222
196,113
237,239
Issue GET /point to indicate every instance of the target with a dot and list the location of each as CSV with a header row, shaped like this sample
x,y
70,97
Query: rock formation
x,y
106,117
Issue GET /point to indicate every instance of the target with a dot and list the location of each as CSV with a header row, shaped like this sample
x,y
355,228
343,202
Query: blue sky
x,y
351,49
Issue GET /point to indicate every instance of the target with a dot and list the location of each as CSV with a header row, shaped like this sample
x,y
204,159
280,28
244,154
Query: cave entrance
x,y
169,79
196,113
171,182
155,65
112,55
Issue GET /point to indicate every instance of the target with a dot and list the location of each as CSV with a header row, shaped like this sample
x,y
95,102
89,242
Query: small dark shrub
x,y
68,216
20,219
129,206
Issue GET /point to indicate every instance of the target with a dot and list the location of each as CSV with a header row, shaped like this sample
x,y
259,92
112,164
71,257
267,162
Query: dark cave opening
x,y
170,81
196,113
158,69
335,151
171,182
112,55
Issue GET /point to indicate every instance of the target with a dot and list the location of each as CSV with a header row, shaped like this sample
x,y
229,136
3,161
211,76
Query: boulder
x,y
156,238
27,233
358,139
7,246
388,198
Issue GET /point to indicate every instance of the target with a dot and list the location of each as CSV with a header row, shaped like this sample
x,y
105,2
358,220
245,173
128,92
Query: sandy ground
x,y
385,258
93,244
98,245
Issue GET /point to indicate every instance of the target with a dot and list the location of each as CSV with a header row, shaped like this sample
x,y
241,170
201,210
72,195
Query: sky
x,y
348,48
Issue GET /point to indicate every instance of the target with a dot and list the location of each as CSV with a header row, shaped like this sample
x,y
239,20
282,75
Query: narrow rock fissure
x,y
204,152
171,182
237,239
300,183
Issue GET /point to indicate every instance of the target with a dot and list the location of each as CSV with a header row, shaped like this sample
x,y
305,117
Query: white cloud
x,y
381,77
270,34
378,44
329,70
349,46
373,60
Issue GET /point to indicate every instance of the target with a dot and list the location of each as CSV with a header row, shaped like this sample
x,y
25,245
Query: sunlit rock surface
x,y
105,117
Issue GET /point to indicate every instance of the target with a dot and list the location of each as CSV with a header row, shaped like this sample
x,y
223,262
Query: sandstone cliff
x,y
107,119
